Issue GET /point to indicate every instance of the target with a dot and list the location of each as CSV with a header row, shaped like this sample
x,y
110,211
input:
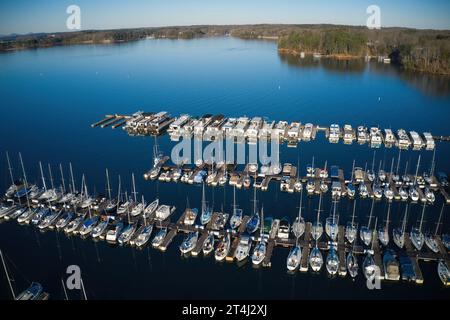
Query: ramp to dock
x,y
341,252
305,249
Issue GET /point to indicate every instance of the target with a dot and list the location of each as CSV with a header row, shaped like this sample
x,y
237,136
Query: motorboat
x,y
243,248
127,233
259,252
113,234
159,238
33,292
223,248
391,266
189,242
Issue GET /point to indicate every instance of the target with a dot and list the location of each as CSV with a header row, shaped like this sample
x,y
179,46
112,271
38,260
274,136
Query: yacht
x,y
163,212
443,272
294,258
73,225
315,259
362,134
100,229
413,194
332,261
190,216
403,193
298,227
417,237
88,225
365,232
208,245
388,193
34,292
113,234
377,191
398,234
363,192
223,248
48,221
310,186
123,207
243,248
317,228
352,263
143,235
189,242
253,223
369,266
446,240
429,195
15,213
430,239
259,252
27,215
351,190
351,230
391,266
331,224
159,238
127,233
383,232
41,214
206,213
151,208
138,209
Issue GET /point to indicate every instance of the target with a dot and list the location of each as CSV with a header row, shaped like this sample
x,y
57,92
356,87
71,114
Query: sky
x,y
24,16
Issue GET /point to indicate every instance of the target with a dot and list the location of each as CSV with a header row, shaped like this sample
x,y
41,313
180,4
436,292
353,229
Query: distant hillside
x,y
413,49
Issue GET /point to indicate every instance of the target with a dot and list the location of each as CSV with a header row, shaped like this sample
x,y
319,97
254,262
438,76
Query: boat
x,y
163,212
189,242
206,213
365,232
315,259
236,217
331,224
259,252
208,245
352,263
443,272
332,261
99,229
383,232
41,214
429,195
143,235
363,192
310,186
123,207
27,215
294,258
223,248
16,213
33,292
6,210
377,191
159,237
298,227
351,230
403,193
446,240
317,228
430,239
391,266
127,233
416,235
243,248
73,225
190,216
113,234
398,234
88,226
48,221
151,208
370,269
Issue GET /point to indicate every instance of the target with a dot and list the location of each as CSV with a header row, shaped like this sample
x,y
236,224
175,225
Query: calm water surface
x,y
51,96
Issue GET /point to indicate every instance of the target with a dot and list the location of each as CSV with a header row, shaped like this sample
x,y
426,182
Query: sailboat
x,y
254,221
383,232
350,187
332,262
208,245
369,266
351,230
398,234
352,262
189,242
443,272
138,207
298,227
206,213
223,248
365,232
430,239
159,237
151,208
416,234
236,218
259,252
294,257
331,225
315,259
317,228
111,204
298,183
413,193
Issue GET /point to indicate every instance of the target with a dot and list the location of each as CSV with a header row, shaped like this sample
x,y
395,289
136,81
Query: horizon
x,y
25,16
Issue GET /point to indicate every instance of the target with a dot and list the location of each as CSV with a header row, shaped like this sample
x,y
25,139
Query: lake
x,y
51,96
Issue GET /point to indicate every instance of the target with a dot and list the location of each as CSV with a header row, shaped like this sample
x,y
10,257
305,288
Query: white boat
x,y
332,261
294,258
317,228
151,208
259,252
352,264
331,224
189,242
127,233
88,225
398,234
429,195
403,194
298,227
365,232
27,215
416,235
430,239
159,237
223,248
363,192
351,230
208,245
73,225
163,212
383,232
113,234
243,248
190,216
48,221
99,229
206,212
315,259
143,235
443,272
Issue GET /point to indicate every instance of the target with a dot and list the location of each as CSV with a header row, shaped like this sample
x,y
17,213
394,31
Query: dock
x,y
341,252
167,240
199,246
304,263
269,249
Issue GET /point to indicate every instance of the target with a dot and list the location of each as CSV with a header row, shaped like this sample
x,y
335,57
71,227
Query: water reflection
x,y
429,84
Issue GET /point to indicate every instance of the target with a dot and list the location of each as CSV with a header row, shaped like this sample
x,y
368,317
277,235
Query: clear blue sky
x,y
23,16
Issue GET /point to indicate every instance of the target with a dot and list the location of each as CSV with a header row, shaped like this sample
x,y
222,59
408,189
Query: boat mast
x,y
374,234
373,161
432,163
421,218
51,176
386,229
7,275
404,220
300,206
143,211
318,210
118,192
107,184
262,222
439,220
42,176
62,179
203,198
353,171
392,166
134,187
354,209
398,160
10,168
370,214
82,287
71,177
25,179
64,288
254,200
417,170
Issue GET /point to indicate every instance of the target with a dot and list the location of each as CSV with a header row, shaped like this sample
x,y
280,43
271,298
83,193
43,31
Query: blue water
x,y
51,96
